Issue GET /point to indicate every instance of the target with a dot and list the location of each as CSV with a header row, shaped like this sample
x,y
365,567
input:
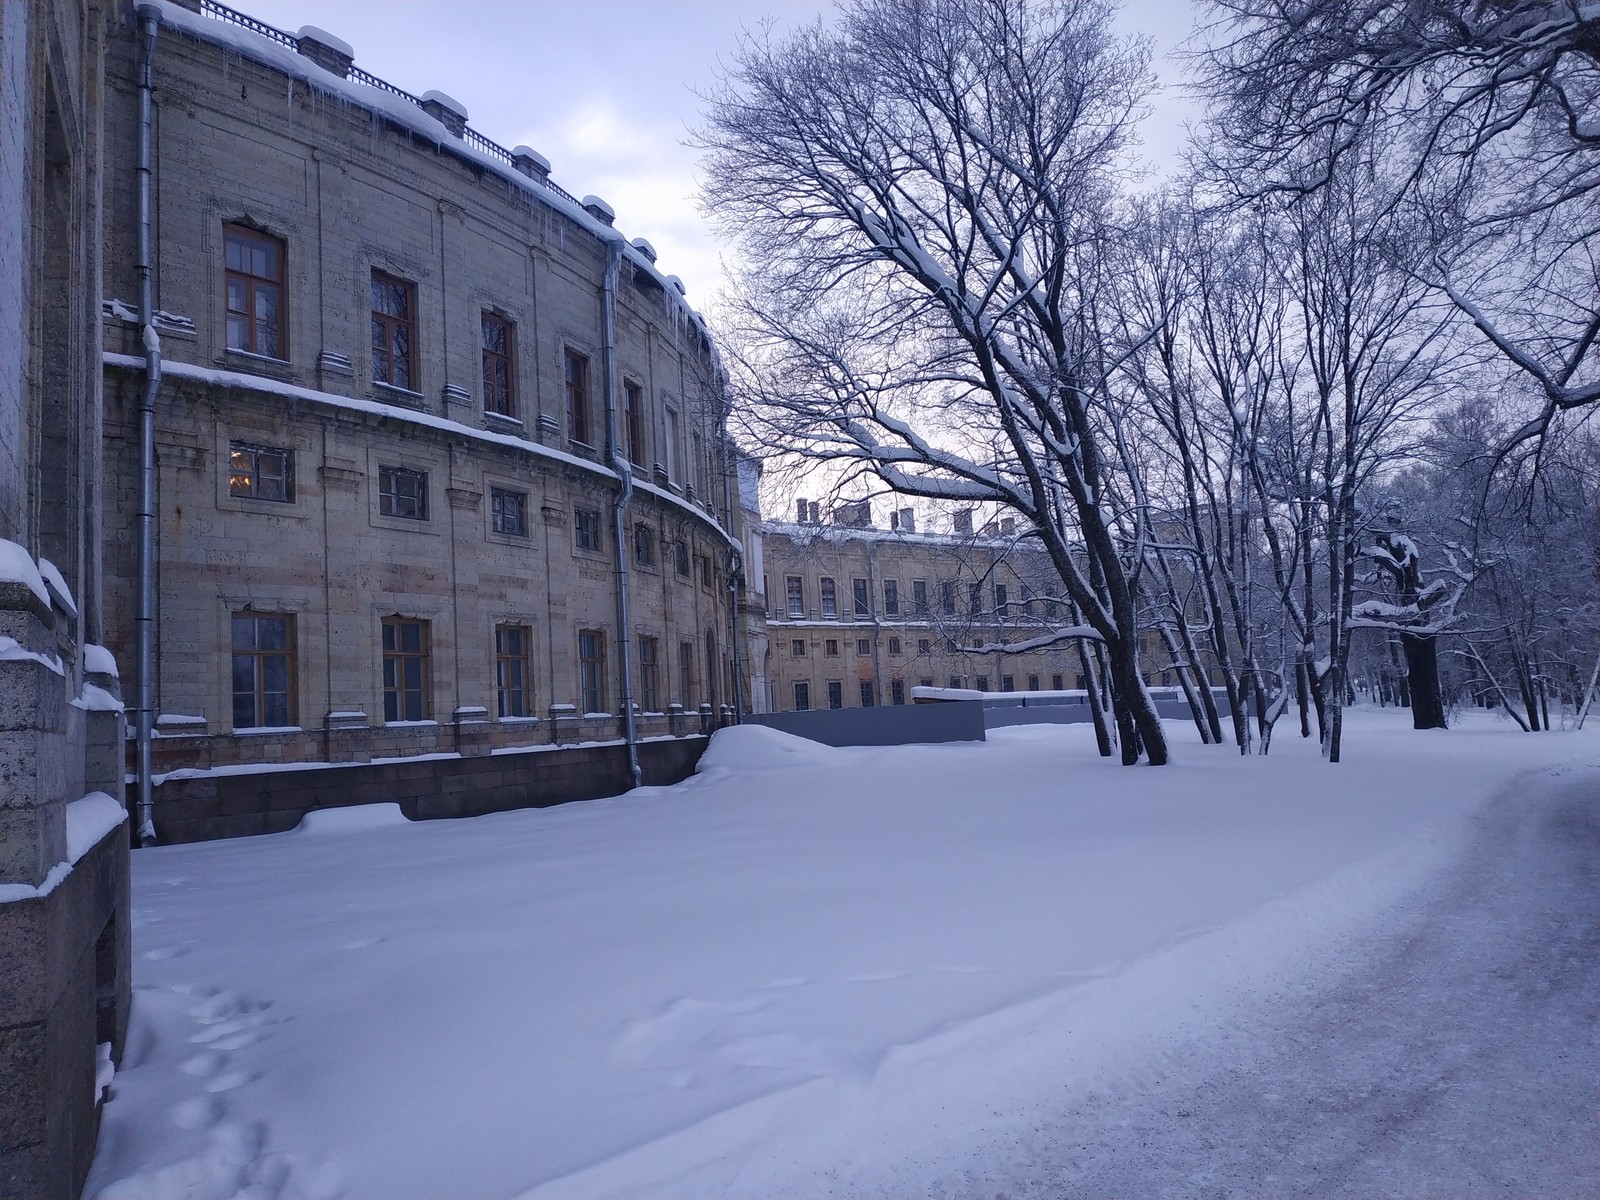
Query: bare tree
x,y
1486,111
926,190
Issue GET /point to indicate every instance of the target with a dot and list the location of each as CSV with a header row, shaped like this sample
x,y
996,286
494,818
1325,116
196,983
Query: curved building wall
x,y
357,560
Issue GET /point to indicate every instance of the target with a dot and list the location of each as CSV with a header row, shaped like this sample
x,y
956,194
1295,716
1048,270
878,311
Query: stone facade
x,y
315,496
859,616
64,934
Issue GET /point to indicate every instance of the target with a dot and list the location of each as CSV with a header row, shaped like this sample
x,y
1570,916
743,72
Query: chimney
x,y
854,514
816,513
800,512
328,52
599,210
894,519
1008,526
962,521
908,520
644,248
446,110
531,163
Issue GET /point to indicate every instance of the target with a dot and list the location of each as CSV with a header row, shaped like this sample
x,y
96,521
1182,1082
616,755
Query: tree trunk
x,y
1102,734
1422,682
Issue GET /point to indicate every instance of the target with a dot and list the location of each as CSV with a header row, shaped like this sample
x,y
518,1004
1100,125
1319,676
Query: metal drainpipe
x,y
624,473
144,624
736,574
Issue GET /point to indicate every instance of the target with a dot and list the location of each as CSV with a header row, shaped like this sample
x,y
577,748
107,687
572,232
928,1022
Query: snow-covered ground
x,y
801,960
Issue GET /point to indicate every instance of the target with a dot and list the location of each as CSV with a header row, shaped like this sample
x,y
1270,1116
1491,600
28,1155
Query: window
x,y
975,598
830,599
498,340
686,671
586,528
255,292
670,450
925,646
830,647
796,590
891,598
649,674
919,597
511,670
577,386
263,670
863,646
835,694
403,493
894,646
260,472
947,598
680,559
1000,598
802,697
866,693
897,691
644,544
394,303
1033,683
983,683
697,456
925,683
797,647
634,421
1008,683
955,681
863,598
1056,683
406,670
591,670
707,575
508,512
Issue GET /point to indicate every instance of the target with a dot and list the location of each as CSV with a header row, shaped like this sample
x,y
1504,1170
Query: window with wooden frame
x,y
592,670
866,693
894,646
891,598
795,590
708,574
644,544
511,643
576,376
897,691
862,596
669,452
830,647
686,672
797,647
830,599
586,528
394,307
260,472
499,349
919,597
802,697
649,673
835,693
403,493
508,512
263,670
863,647
255,281
633,421
407,670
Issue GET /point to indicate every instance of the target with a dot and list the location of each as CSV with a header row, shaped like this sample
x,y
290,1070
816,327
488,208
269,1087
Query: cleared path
x,y
1455,1055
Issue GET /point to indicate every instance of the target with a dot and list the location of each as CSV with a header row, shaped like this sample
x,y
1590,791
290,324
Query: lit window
x,y
260,472
263,670
255,292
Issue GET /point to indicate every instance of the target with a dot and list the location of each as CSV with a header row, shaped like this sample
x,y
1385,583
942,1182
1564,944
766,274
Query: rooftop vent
x,y
644,248
446,110
328,52
962,521
856,514
599,210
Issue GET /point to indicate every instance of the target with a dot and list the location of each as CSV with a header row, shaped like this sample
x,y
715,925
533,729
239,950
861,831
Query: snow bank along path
x,y
802,955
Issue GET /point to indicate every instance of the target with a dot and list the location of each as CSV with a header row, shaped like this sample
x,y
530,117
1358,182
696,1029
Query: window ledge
x,y
259,364
388,393
494,420
259,729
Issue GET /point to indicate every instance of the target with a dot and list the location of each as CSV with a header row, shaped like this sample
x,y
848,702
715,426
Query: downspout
x,y
624,473
736,574
144,622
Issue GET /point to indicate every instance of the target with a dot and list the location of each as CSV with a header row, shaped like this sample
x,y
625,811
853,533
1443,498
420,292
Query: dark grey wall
x,y
889,725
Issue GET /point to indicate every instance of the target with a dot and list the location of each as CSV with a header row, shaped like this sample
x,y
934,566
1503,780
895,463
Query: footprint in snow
x,y
230,1081
203,1064
199,1112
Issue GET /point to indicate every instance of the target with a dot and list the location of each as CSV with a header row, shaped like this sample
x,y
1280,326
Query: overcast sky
x,y
605,89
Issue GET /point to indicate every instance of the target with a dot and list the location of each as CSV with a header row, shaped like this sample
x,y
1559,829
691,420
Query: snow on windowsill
x,y
252,729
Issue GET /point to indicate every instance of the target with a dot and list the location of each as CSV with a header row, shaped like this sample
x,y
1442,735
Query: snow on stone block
x,y
89,820
94,698
324,38
54,579
357,818
97,660
17,566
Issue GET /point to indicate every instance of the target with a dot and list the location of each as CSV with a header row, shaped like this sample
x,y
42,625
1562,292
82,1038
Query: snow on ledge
x,y
88,821
97,660
17,566
356,818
